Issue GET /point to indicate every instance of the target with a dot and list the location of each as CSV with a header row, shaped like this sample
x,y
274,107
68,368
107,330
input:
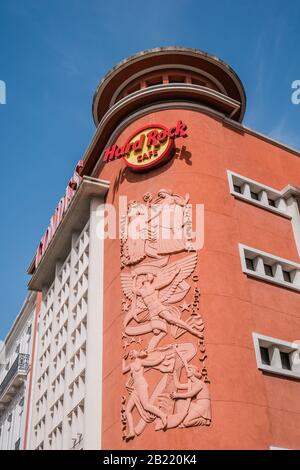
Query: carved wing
x,y
127,285
171,293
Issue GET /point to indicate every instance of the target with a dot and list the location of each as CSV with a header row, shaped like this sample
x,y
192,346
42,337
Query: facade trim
x,y
76,216
214,61
166,67
264,193
278,267
285,202
275,347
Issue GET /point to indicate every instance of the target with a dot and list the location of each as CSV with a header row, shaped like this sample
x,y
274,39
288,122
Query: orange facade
x,y
250,409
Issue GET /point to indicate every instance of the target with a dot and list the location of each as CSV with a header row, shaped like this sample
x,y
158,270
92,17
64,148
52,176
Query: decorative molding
x,y
185,53
279,267
285,202
264,193
274,347
161,69
74,220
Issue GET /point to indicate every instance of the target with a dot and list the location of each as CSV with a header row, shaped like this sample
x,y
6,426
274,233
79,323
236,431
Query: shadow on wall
x,y
126,174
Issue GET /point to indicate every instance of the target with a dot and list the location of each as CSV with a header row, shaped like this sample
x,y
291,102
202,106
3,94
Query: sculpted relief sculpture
x,y
166,374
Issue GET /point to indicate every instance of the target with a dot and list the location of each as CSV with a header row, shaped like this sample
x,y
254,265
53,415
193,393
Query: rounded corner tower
x,y
169,133
168,74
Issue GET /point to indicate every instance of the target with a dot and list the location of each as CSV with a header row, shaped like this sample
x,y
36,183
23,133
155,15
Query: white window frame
x,y
278,265
264,193
276,346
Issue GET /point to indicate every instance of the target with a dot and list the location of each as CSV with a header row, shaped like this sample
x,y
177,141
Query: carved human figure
x,y
199,411
148,289
138,385
153,289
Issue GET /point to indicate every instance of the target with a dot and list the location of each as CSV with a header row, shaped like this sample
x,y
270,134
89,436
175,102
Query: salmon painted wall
x,y
250,410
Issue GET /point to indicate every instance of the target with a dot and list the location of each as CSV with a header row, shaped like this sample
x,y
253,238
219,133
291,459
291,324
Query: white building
x,y
15,377
66,397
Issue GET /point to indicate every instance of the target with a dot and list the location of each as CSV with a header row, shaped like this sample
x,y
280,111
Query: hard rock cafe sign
x,y
163,329
148,147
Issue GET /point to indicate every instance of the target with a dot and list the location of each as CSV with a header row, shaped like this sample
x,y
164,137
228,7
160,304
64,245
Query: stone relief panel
x,y
163,330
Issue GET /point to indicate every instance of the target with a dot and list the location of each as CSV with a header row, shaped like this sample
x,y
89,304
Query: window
x,y
9,420
176,79
154,81
259,194
271,202
237,188
132,89
264,354
277,356
21,405
17,444
286,275
254,195
270,268
285,360
197,81
250,264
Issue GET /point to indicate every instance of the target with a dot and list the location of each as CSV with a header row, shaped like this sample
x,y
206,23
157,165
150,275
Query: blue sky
x,y
53,54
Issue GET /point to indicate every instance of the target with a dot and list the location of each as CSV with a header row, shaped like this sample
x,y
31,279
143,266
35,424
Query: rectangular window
x,y
271,202
254,195
285,360
264,354
250,264
237,188
268,270
154,81
286,276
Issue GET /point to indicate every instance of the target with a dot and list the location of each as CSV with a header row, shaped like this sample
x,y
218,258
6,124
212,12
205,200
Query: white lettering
x,y
296,94
2,92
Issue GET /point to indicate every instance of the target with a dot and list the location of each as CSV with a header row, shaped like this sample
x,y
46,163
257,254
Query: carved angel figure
x,y
152,290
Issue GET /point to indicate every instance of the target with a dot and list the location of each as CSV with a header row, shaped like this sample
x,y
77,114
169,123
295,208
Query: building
x,y
15,377
66,405
151,340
